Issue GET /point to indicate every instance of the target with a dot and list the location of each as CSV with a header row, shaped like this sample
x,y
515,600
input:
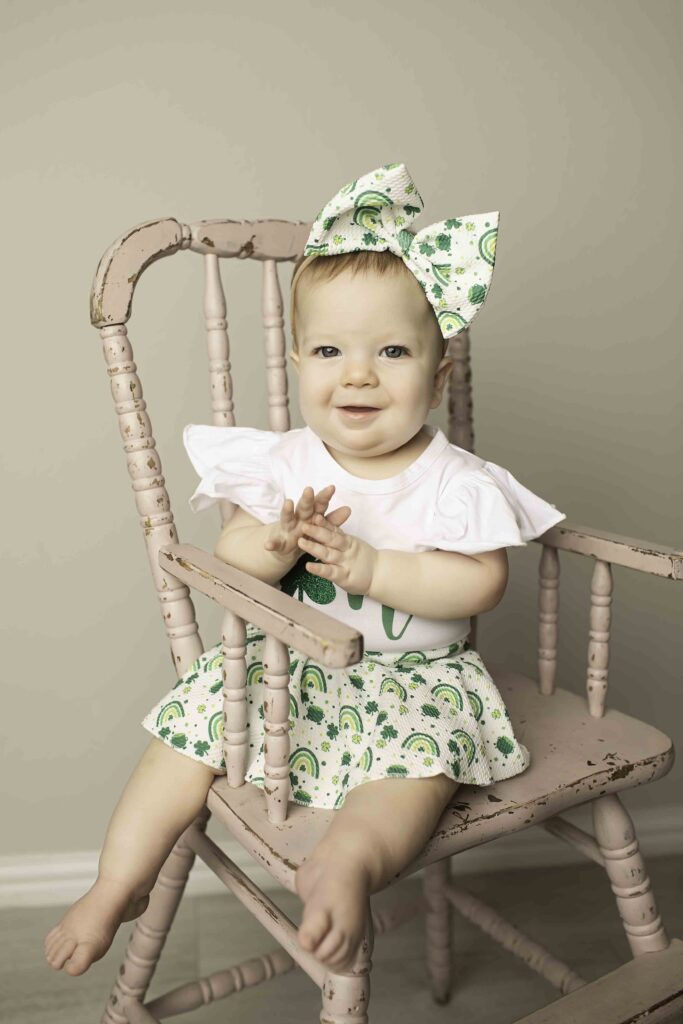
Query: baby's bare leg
x,y
163,795
381,827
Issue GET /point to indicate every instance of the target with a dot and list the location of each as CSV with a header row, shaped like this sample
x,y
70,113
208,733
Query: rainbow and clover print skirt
x,y
394,714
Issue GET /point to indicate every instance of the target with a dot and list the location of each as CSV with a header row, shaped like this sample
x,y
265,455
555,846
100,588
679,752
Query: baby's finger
x,y
325,552
324,536
323,497
339,515
306,504
286,525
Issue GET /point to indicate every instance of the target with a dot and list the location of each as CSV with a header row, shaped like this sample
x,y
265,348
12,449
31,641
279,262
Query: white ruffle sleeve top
x,y
447,499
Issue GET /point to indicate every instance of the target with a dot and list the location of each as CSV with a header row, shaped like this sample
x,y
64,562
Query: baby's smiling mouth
x,y
358,412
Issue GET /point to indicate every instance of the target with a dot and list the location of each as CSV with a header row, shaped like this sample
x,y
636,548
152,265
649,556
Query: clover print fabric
x,y
405,714
452,260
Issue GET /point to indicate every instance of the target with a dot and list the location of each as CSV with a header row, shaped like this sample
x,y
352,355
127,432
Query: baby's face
x,y
368,340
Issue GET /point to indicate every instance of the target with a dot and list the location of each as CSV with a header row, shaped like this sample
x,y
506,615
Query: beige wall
x,y
563,116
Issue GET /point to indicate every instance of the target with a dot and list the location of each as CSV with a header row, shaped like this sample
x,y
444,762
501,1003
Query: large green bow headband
x,y
452,259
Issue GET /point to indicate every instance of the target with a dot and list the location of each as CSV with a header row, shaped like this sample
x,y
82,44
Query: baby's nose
x,y
360,372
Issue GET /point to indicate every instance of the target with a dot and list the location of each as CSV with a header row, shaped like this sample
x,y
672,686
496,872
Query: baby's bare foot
x,y
87,930
335,892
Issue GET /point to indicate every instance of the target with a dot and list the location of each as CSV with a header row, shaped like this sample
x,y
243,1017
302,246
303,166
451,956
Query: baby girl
x,y
417,548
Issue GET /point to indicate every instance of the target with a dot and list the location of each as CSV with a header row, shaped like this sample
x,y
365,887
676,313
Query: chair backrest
x,y
269,242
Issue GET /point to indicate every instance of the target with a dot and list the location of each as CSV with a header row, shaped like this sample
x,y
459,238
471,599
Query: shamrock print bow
x,y
452,259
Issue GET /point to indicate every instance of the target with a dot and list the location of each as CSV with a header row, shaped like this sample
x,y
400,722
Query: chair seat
x,y
574,757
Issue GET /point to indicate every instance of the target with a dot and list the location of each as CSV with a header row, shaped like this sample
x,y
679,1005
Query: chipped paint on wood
x,y
263,605
654,559
111,302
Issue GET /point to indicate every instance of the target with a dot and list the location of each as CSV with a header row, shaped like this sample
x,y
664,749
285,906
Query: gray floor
x,y
569,909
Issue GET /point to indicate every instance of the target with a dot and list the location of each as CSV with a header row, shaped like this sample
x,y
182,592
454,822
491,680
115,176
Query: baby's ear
x,y
294,356
445,368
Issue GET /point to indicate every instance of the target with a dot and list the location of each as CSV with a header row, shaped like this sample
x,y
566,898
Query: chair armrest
x,y
320,636
612,547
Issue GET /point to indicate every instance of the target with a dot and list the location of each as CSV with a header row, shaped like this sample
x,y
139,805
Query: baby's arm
x,y
269,550
244,548
432,584
439,584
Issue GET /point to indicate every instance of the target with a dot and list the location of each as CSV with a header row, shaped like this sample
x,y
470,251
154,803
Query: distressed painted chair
x,y
581,752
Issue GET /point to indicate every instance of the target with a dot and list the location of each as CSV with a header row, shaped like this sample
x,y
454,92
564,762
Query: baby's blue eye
x,y
320,348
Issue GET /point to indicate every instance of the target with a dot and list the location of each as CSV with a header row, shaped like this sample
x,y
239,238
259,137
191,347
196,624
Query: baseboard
x,y
43,880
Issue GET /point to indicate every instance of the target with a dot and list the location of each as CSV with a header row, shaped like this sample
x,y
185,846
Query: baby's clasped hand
x,y
283,536
344,559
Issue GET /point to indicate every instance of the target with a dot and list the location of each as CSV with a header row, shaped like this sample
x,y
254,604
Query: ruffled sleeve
x,y
234,463
487,508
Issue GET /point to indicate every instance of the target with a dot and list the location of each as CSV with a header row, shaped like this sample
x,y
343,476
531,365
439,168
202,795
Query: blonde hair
x,y
316,268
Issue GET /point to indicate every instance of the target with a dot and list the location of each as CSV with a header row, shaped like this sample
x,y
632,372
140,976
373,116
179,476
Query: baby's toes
x,y
61,951
334,948
313,928
348,954
51,940
80,960
54,938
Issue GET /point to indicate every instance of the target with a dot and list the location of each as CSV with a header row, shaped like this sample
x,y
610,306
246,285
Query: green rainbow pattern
x,y
473,665
174,709
349,187
216,726
487,245
450,693
350,719
412,658
450,322
365,763
391,685
255,673
466,744
421,743
317,250
442,273
313,678
476,704
373,199
304,760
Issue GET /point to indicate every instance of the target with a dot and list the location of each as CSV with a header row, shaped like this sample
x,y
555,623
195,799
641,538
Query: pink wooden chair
x,y
581,753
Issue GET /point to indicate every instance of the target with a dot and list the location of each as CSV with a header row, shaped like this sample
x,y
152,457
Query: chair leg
x,y
625,867
438,914
346,997
151,928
